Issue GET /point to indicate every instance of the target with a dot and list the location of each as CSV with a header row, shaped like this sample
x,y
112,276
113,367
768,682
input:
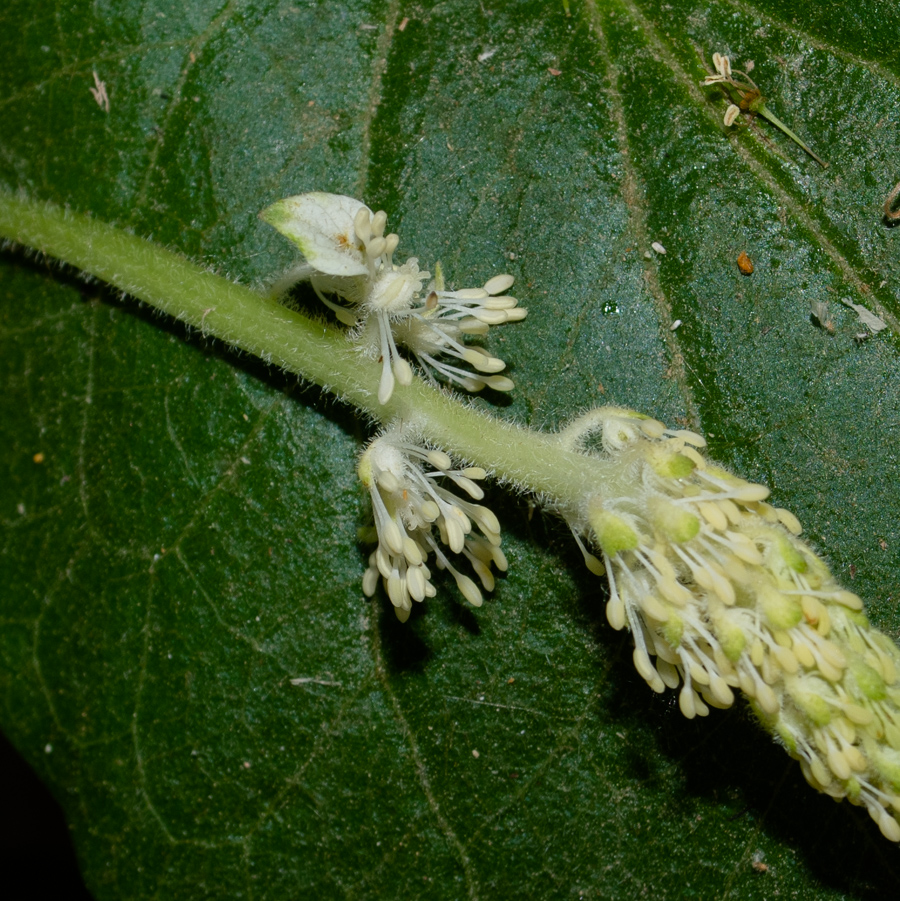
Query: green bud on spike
x,y
781,611
611,532
676,523
669,464
813,705
789,553
673,629
868,680
787,738
732,638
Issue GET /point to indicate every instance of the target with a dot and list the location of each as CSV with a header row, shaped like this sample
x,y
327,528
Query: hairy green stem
x,y
310,349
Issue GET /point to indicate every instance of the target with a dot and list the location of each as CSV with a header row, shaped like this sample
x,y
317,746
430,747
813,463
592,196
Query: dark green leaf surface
x,y
187,546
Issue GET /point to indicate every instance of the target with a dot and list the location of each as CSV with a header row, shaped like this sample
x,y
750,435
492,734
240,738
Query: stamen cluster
x,y
739,87
389,305
716,587
411,502
720,594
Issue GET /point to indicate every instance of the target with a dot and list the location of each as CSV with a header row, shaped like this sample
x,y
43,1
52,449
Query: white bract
x,y
388,305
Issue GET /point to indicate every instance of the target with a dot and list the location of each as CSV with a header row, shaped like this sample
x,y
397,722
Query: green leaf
x,y
186,656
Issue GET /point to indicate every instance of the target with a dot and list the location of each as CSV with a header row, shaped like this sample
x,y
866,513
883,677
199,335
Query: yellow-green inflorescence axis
x,y
713,582
720,594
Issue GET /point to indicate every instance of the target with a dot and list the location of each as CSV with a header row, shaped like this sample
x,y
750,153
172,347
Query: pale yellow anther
x,y
812,609
744,549
698,673
396,588
829,671
687,702
499,303
388,482
593,563
838,765
725,667
654,608
856,759
615,613
823,627
888,669
469,590
833,654
498,382
392,536
362,224
668,673
720,691
703,577
652,428
750,492
786,659
789,521
471,294
698,459
820,772
889,826
412,552
375,248
664,650
892,735
674,591
370,580
735,570
857,714
648,670
847,599
642,664
482,570
766,699
415,583
722,587
730,509
379,221
491,317
757,652
498,284
439,460
783,638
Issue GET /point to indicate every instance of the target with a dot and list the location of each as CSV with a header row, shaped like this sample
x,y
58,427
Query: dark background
x,y
36,854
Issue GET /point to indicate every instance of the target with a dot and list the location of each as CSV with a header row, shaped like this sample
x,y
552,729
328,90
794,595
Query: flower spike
x,y
390,306
721,595
409,503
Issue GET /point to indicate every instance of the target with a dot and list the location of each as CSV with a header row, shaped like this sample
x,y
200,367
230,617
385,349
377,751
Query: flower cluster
x,y
350,264
739,87
745,97
410,502
720,594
